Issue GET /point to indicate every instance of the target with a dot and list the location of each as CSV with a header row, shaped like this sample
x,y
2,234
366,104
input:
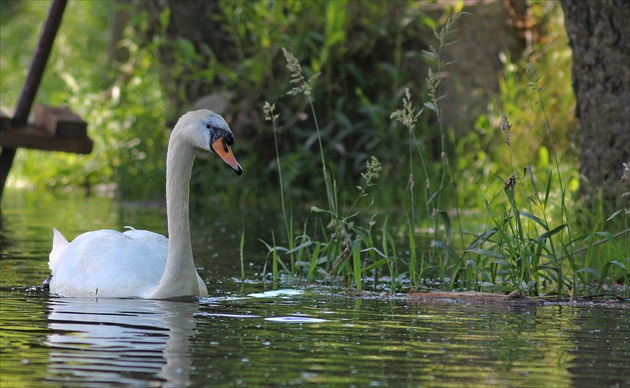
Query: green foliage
x,y
361,50
122,103
525,243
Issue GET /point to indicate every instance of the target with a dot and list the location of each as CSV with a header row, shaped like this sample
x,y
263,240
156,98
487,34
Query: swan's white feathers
x,y
59,244
107,263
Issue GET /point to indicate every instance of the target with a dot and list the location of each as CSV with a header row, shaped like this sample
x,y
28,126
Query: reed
x,y
242,255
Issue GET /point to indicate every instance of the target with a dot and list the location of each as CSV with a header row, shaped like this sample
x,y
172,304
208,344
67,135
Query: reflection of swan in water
x,y
120,341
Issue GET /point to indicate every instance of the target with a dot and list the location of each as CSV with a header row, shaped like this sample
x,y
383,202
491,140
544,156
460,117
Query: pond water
x,y
246,334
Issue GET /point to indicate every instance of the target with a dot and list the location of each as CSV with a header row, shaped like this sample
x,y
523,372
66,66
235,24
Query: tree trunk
x,y
599,35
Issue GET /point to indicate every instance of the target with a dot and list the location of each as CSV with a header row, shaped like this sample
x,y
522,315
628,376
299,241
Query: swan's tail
x,y
59,243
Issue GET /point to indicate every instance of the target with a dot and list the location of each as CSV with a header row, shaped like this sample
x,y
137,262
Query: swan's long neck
x,y
179,276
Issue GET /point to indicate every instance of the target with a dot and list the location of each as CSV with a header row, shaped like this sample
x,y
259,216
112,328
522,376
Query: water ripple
x,y
296,319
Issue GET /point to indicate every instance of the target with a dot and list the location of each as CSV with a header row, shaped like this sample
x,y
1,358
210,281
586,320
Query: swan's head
x,y
207,130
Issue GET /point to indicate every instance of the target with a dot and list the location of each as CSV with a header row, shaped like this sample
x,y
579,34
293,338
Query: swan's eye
x,y
208,126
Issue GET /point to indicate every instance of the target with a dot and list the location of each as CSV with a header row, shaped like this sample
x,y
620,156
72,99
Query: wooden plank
x,y
36,137
5,118
31,84
60,122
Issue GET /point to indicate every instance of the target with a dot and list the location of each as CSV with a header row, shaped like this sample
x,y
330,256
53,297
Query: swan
x,y
140,263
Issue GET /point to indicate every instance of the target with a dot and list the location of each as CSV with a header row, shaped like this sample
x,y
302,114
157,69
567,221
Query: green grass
x,y
526,242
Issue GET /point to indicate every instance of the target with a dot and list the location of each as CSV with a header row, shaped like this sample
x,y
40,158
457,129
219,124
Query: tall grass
x,y
340,253
523,246
408,117
434,95
527,250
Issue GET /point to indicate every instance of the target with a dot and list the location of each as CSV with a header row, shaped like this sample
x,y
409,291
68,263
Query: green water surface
x,y
246,334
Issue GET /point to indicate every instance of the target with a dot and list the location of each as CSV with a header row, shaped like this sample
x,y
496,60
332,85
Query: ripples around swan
x,y
307,337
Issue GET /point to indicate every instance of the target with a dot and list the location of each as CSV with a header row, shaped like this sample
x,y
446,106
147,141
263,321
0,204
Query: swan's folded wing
x,y
147,237
108,263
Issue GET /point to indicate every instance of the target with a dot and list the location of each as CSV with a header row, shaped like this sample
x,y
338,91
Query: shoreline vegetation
x,y
520,251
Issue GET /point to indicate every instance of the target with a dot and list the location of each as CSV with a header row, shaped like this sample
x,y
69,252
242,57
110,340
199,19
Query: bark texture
x,y
599,35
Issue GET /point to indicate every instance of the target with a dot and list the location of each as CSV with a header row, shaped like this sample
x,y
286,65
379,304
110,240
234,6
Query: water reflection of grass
x,y
527,241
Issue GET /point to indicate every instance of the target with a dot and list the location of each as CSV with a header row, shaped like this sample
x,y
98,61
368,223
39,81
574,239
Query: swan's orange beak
x,y
221,148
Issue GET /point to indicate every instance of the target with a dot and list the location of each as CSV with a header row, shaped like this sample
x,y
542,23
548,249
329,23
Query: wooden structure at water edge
x,y
53,129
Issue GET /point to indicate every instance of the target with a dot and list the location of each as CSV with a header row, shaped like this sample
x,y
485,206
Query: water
x,y
249,335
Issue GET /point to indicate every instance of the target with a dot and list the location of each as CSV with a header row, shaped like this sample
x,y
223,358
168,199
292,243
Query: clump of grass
x,y
434,94
522,247
407,116
346,239
269,111
527,249
510,254
348,251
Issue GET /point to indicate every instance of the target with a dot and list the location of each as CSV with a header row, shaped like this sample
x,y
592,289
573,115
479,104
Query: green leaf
x,y
502,262
315,260
447,225
165,18
242,258
589,270
378,252
316,209
308,243
528,168
548,188
618,264
413,260
485,252
436,194
615,214
552,232
377,264
444,246
482,238
612,242
606,269
274,248
535,219
356,261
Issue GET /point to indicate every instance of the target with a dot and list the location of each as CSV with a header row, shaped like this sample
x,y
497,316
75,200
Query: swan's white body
x,y
139,263
108,263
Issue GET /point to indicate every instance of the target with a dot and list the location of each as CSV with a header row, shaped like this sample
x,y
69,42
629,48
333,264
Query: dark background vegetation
x,y
131,68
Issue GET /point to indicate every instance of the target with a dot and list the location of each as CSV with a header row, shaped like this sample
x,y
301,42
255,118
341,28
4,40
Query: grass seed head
x,y
268,110
505,126
302,86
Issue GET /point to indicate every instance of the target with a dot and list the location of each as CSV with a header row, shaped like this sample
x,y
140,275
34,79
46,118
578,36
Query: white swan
x,y
139,263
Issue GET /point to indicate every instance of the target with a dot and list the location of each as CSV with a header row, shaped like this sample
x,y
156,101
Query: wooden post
x,y
33,79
